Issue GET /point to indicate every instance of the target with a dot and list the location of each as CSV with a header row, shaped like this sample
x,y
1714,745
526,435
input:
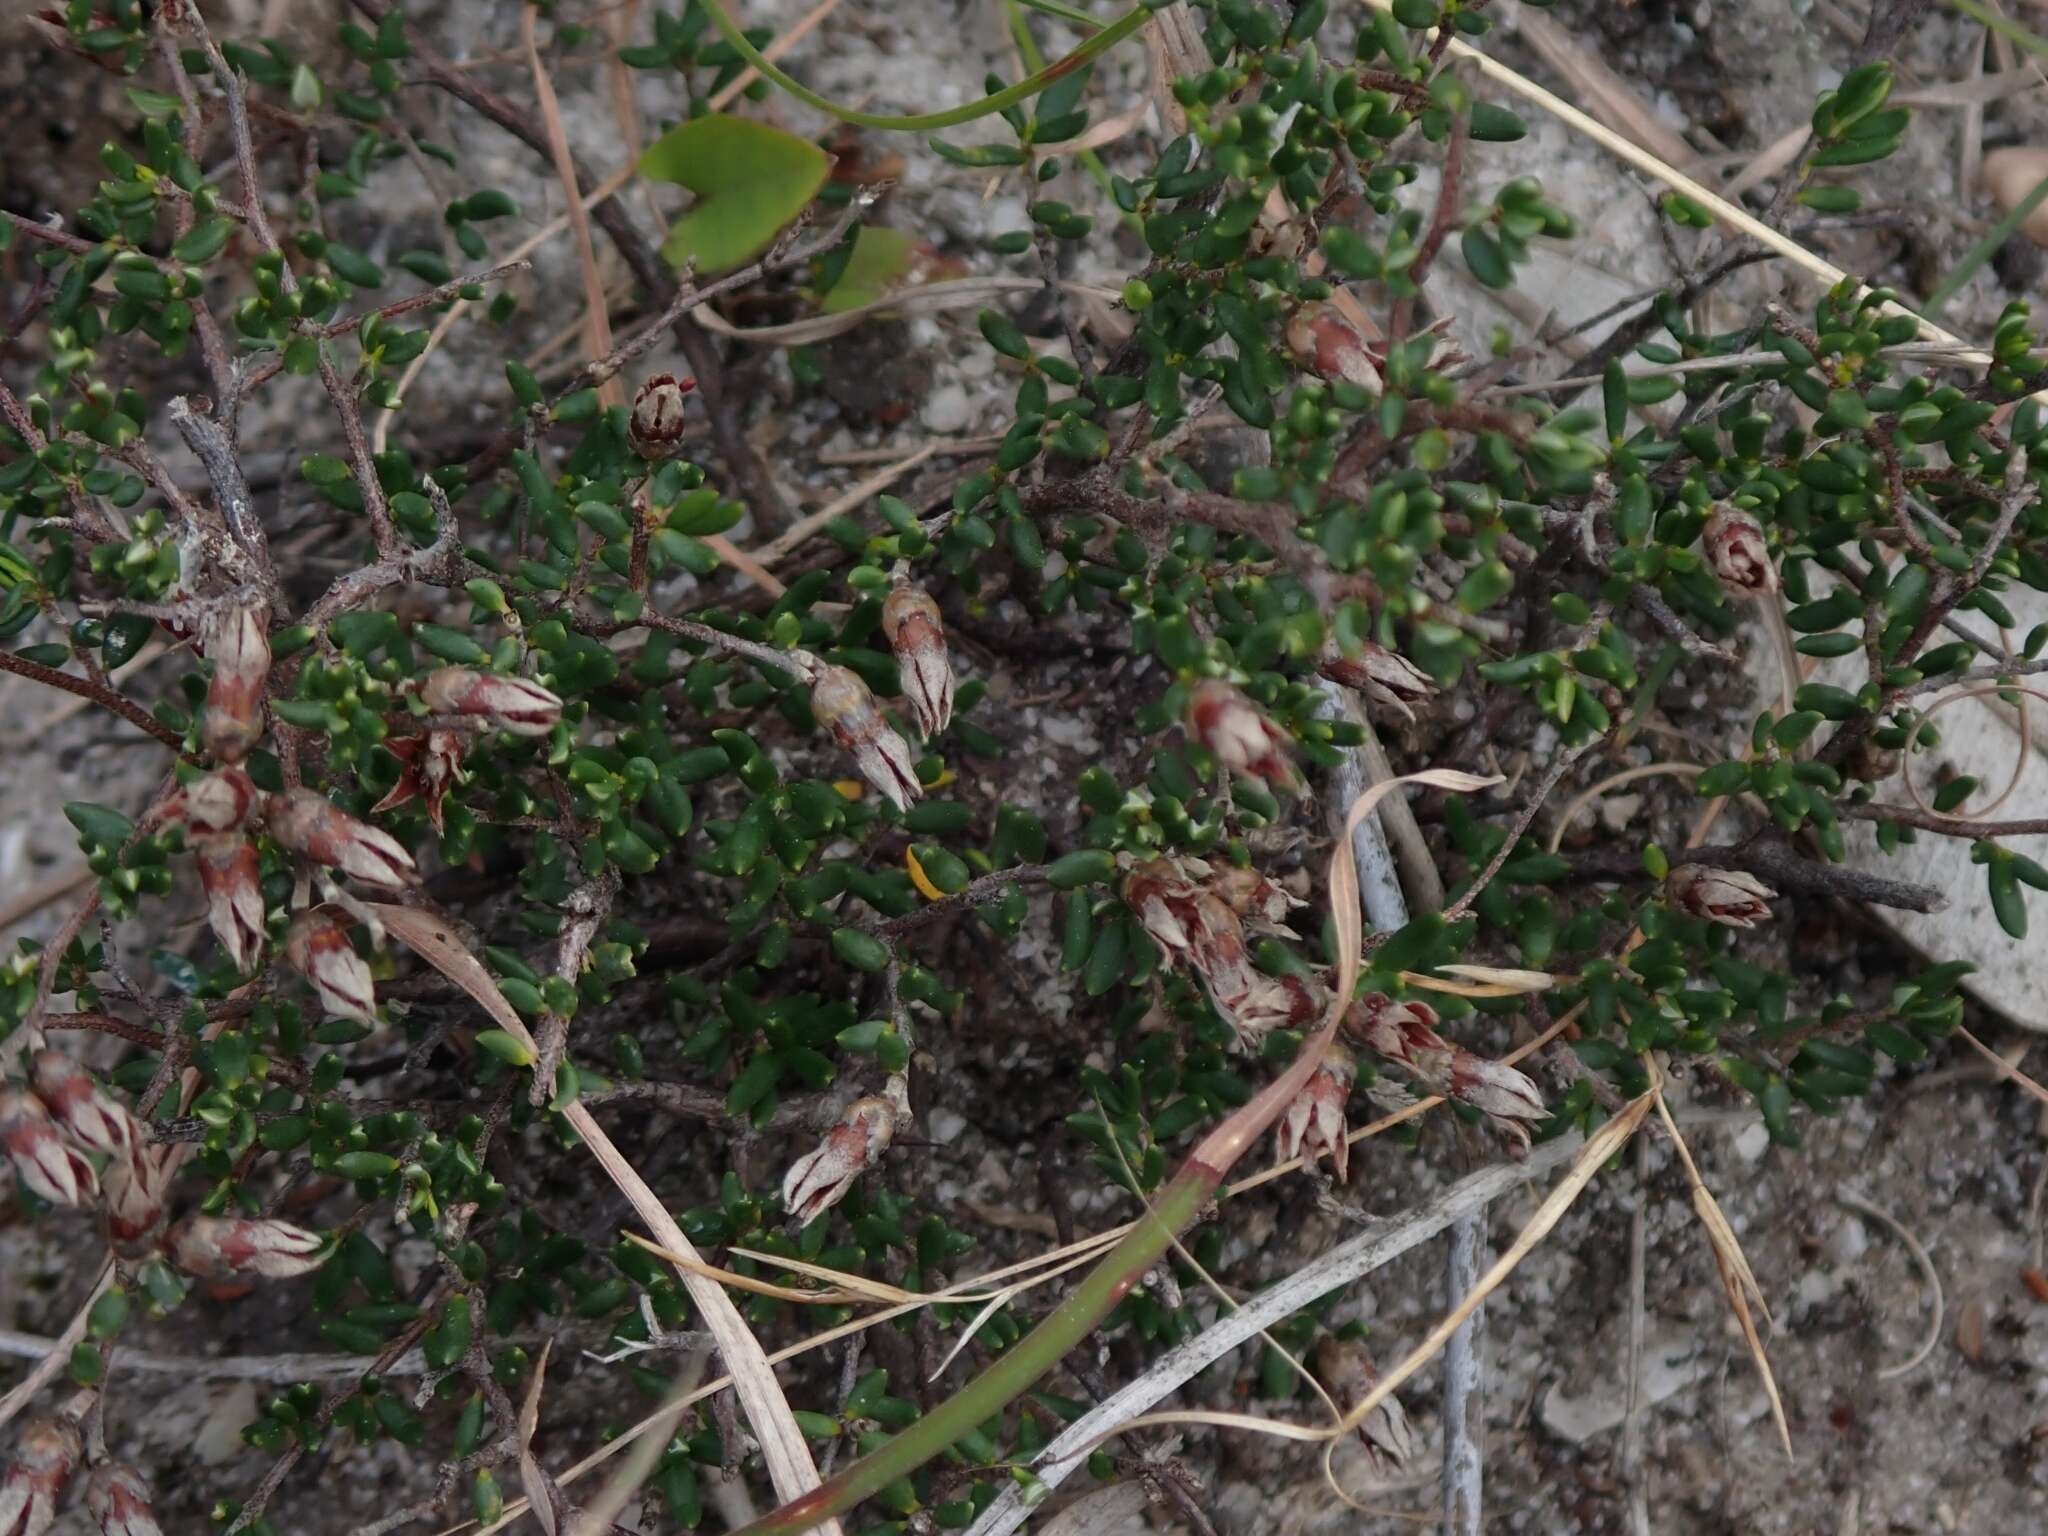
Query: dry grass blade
x,y
531,1478
1603,1144
596,1518
1486,981
789,1461
1613,100
787,543
2005,1070
597,322
951,294
1651,165
1737,1280
1928,1274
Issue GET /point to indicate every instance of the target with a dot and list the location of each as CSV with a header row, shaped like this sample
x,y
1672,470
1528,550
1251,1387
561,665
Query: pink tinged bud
x,y
318,948
220,802
310,825
42,1160
228,1248
1389,680
1735,546
918,637
1314,1123
133,1192
431,766
232,877
87,1114
1329,346
1727,896
119,1499
237,642
1243,740
1389,1438
1405,1034
45,1456
514,704
842,704
819,1180
656,428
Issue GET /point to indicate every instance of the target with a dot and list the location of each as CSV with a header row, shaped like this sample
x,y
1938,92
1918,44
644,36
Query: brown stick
x,y
105,697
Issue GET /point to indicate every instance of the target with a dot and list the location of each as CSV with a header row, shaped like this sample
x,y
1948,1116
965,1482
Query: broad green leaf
x,y
750,180
880,261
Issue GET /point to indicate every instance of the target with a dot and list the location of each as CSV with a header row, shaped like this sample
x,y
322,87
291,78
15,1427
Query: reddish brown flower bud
x,y
1329,346
656,429
237,642
1389,1438
87,1114
45,1456
1736,549
232,876
515,704
1314,1123
1389,680
42,1160
221,801
312,826
1726,896
318,948
842,704
228,1248
1405,1034
1244,741
918,637
820,1179
119,1499
133,1191
431,766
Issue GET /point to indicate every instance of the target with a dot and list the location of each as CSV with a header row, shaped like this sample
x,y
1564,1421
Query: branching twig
x,y
98,693
1781,867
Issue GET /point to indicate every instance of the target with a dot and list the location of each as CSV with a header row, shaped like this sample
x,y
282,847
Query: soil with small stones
x,y
1908,1412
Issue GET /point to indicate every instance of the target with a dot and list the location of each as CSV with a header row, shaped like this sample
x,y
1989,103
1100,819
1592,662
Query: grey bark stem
x,y
1464,1382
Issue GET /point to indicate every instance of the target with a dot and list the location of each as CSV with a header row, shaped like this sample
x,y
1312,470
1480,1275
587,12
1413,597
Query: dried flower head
x,y
429,766
1727,896
1330,346
132,1190
42,1160
1314,1123
1274,1002
515,704
820,1179
1243,740
1389,1438
1253,897
84,1110
307,823
237,642
842,704
1736,549
119,1500
318,948
232,876
1389,680
656,428
227,1248
1194,928
918,637
45,1455
221,801
1405,1034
